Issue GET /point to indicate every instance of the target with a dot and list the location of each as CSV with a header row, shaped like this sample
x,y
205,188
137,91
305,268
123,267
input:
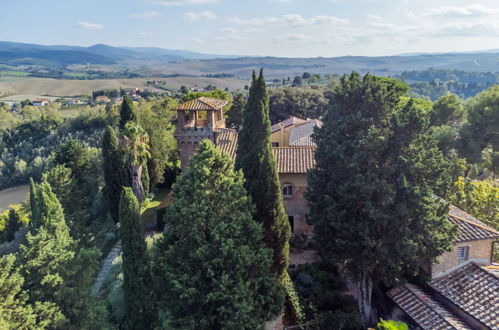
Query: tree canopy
x,y
212,267
371,193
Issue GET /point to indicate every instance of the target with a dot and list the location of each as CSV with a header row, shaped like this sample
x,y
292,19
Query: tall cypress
x,y
127,112
115,172
136,268
255,158
56,270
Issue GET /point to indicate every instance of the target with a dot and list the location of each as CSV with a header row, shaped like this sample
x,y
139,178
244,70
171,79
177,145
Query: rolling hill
x,y
151,61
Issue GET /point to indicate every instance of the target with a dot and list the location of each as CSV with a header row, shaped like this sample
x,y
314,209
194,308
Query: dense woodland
x,y
222,260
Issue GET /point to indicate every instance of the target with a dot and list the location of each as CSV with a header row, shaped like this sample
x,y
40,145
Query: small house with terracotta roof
x,y
463,292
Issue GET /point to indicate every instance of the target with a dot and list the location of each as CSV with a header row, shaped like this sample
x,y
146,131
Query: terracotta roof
x,y
474,290
202,103
288,159
294,159
226,140
470,228
427,312
302,135
286,123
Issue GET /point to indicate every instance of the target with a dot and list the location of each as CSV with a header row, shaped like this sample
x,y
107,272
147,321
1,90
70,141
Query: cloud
x,y
228,30
179,2
293,38
90,26
192,16
466,11
467,29
146,15
290,20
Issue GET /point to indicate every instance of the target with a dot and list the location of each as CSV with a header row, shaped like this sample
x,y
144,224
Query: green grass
x,y
148,210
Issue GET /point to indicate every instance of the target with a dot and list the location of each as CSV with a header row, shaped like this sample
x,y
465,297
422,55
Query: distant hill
x,y
13,53
151,61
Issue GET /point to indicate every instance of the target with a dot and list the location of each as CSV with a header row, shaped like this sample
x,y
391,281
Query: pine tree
x,y
371,193
136,268
115,172
127,112
212,266
255,158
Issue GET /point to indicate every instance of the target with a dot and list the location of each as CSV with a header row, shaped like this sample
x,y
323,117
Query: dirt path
x,y
13,195
106,267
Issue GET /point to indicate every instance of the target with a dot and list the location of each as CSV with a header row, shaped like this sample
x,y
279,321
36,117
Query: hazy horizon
x,y
281,28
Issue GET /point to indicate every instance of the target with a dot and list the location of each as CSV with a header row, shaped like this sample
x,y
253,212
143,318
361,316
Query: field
x,y
13,195
55,87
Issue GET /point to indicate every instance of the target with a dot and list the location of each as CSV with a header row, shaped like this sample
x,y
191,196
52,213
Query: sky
x,y
287,28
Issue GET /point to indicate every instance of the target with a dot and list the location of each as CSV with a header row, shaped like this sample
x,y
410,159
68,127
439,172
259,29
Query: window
x,y
287,190
291,223
275,144
462,253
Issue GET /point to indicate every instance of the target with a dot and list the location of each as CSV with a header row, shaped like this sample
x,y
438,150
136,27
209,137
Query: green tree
x,y
371,193
75,155
127,112
391,325
255,158
115,172
297,81
135,150
290,101
235,113
56,270
16,312
481,133
137,282
212,266
157,122
479,198
448,110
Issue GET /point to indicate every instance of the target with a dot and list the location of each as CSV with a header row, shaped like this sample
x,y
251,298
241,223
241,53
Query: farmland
x,y
58,87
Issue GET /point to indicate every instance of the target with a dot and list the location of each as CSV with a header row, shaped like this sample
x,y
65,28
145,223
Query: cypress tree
x,y
371,192
115,173
127,112
16,312
212,265
136,268
56,270
255,158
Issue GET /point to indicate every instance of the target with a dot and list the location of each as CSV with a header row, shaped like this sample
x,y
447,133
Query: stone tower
x,y
197,120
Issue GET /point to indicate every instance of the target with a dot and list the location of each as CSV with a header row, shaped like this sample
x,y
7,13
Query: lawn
x,y
149,208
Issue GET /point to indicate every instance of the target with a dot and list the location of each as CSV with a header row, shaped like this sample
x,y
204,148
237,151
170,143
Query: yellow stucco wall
x,y
479,252
281,136
296,205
